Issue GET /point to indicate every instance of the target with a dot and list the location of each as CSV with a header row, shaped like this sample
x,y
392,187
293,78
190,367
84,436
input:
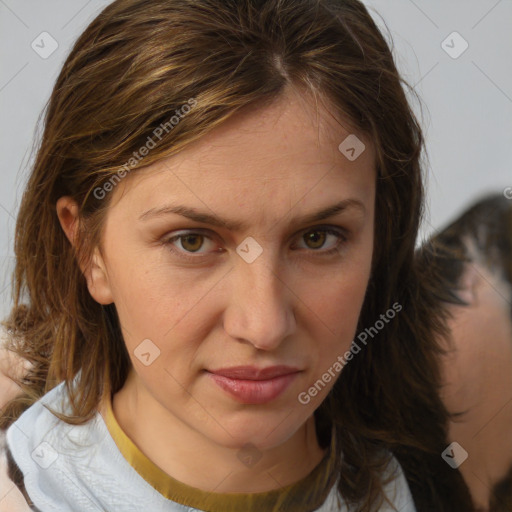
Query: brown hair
x,y
133,66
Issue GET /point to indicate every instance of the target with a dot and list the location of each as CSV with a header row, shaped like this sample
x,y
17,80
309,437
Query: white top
x,y
71,468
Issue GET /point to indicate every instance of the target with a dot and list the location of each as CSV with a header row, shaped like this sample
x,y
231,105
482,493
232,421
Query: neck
x,y
167,442
489,458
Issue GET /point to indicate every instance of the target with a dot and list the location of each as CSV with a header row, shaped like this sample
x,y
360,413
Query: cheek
x,y
332,332
338,303
152,297
340,307
164,321
342,292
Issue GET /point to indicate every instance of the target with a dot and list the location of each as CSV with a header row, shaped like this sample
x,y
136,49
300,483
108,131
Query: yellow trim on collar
x,y
305,495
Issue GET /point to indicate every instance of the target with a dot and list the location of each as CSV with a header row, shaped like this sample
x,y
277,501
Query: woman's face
x,y
268,286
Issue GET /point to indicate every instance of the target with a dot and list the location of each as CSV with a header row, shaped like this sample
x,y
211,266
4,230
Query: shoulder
x,y
11,498
397,489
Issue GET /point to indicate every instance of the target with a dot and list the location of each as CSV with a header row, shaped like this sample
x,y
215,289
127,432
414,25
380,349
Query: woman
x,y
191,323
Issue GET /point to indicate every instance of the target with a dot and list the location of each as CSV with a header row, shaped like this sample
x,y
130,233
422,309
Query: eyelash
x,y
340,234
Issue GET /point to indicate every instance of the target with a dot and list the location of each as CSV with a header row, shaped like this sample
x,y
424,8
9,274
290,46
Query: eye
x,y
190,242
316,238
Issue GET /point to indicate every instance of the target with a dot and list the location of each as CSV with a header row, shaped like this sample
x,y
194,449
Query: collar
x,y
307,494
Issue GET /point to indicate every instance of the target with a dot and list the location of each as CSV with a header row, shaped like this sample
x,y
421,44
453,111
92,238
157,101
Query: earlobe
x,y
97,280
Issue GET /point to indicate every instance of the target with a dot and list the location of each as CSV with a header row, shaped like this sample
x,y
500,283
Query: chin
x,y
260,431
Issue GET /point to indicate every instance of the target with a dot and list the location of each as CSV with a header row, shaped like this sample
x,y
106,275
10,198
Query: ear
x,y
96,272
468,283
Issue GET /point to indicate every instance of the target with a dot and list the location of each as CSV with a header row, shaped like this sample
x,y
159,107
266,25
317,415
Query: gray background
x,y
467,101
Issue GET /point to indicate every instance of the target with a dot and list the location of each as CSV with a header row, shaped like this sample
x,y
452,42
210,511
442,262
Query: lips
x,y
251,385
253,373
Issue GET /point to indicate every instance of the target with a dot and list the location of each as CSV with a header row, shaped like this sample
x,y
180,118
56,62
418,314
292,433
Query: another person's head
x,y
467,267
258,113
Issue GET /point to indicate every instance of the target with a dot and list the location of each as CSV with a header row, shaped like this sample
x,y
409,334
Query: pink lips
x,y
251,385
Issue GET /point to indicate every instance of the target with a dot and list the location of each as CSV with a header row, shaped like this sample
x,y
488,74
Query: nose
x,y
260,307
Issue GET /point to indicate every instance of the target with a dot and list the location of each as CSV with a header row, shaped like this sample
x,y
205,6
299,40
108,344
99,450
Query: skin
x,y
478,379
293,305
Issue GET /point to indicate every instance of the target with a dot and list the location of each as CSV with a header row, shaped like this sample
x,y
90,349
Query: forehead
x,y
287,149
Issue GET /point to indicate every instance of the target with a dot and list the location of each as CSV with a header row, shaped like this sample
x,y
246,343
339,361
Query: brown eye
x,y
323,241
316,238
191,243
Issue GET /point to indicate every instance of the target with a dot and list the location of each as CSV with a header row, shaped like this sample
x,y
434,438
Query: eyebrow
x,y
232,225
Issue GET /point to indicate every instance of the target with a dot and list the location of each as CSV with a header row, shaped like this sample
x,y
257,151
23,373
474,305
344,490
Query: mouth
x,y
251,385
